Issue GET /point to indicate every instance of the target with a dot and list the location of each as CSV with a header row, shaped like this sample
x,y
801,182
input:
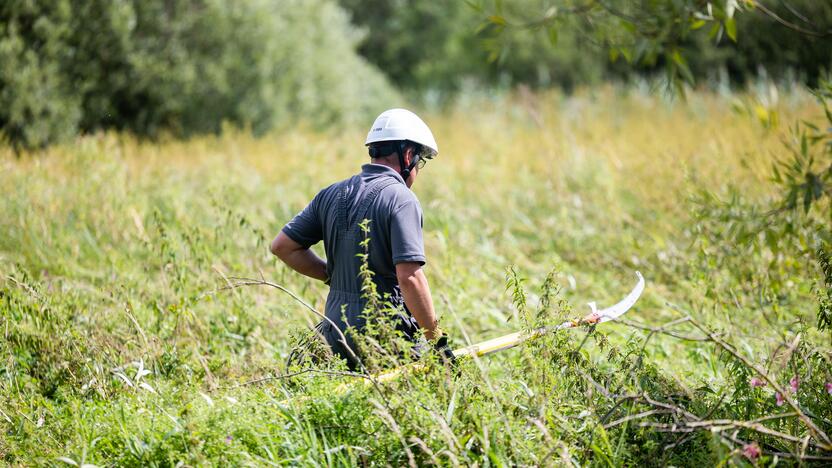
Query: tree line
x,y
180,67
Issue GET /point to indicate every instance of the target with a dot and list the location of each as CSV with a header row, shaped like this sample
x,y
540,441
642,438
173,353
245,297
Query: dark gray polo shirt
x,y
379,194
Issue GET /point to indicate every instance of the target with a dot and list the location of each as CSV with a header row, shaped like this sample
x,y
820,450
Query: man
x,y
399,144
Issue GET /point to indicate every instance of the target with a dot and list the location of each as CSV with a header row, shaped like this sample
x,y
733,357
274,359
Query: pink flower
x,y
757,382
829,387
751,451
793,383
228,440
779,399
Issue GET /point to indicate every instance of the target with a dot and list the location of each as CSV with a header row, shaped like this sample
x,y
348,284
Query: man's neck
x,y
382,162
395,167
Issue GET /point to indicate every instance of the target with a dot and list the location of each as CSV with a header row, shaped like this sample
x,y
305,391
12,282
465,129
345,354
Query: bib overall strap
x,y
348,225
373,192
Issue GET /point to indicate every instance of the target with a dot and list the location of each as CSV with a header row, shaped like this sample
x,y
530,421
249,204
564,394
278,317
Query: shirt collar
x,y
380,170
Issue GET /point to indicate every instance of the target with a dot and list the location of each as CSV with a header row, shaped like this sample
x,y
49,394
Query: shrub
x,y
182,67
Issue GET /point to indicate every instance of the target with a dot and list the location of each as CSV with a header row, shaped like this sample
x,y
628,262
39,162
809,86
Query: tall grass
x,y
117,348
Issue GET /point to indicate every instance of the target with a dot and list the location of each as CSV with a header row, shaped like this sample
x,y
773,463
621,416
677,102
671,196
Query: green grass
x,y
110,248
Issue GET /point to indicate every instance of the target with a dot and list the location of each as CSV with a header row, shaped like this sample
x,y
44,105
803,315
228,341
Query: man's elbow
x,y
408,282
281,246
409,275
275,247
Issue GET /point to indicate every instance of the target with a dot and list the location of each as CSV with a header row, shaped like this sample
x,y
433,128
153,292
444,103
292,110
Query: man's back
x,y
399,144
379,195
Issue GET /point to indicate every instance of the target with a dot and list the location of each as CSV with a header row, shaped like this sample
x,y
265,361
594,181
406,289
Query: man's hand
x,y
445,352
298,257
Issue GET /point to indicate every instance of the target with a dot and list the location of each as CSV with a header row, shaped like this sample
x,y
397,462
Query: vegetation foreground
x,y
120,348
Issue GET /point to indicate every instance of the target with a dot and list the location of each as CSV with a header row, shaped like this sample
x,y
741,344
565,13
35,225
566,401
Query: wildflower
x,y
793,383
757,382
751,451
228,440
779,399
829,387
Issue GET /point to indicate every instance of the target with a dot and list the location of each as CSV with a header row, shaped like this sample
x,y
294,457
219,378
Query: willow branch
x,y
825,442
789,24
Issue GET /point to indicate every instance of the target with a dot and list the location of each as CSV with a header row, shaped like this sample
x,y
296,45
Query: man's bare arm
x,y
416,292
298,258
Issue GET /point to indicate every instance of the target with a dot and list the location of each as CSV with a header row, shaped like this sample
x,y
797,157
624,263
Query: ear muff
x,y
374,153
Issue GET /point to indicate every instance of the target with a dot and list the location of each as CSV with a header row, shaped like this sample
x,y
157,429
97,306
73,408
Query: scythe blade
x,y
597,316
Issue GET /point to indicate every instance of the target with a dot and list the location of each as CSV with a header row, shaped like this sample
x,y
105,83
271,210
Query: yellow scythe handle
x,y
480,349
513,339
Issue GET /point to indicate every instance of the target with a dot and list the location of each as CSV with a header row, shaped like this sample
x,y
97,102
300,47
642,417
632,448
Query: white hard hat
x,y
401,124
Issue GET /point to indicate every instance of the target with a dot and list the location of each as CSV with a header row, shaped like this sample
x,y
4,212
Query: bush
x,y
182,67
438,46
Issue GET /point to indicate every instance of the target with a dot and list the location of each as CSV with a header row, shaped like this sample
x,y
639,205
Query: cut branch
x,y
771,14
822,437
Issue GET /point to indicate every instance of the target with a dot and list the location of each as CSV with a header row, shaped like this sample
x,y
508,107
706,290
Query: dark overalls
x,y
379,195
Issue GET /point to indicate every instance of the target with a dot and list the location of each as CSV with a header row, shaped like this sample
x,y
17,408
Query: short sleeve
x,y
406,233
305,228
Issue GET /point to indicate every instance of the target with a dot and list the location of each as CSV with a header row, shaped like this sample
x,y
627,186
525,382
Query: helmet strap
x,y
405,173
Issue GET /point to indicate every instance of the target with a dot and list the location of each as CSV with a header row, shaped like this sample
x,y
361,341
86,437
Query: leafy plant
x,y
179,68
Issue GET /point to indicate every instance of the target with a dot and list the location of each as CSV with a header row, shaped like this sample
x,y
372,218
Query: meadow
x,y
120,348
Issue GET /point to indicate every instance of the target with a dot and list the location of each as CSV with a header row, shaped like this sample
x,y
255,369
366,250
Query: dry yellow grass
x,y
526,179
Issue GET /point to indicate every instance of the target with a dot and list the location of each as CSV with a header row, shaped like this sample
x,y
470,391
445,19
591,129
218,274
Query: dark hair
x,y
383,149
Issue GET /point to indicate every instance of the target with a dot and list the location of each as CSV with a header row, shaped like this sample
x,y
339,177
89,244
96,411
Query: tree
x,y
179,67
668,33
648,33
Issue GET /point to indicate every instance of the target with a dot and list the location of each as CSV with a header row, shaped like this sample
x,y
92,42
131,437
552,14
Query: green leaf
x,y
697,24
682,66
482,27
771,240
731,28
493,55
706,389
553,35
494,458
627,53
809,124
497,19
776,177
715,30
474,5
